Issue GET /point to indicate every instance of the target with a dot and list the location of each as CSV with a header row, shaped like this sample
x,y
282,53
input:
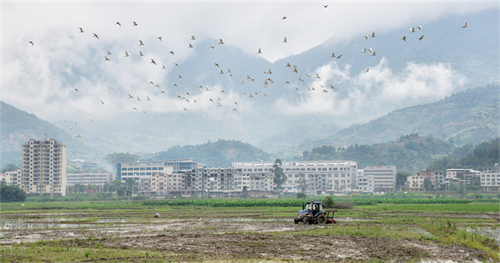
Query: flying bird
x,y
283,18
78,135
217,65
109,53
163,66
333,55
138,98
152,61
180,76
102,102
420,38
221,42
259,52
367,69
175,85
404,39
190,46
140,54
96,36
366,36
177,65
340,55
144,111
81,30
147,98
130,96
134,23
140,43
193,38
118,23
172,52
184,108
284,41
331,86
159,38
364,50
126,54
325,6
373,54
412,30
76,90
107,59
317,76
465,24
419,28
373,34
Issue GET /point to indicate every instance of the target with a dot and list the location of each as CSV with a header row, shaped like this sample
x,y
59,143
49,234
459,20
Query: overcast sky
x,y
32,77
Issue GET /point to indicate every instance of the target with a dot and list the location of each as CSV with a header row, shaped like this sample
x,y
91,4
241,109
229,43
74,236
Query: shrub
x,y
301,195
328,202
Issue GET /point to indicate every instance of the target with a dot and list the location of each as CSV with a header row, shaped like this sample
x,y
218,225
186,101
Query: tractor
x,y
313,213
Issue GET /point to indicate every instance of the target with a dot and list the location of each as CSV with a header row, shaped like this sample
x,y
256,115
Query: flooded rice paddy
x,y
211,236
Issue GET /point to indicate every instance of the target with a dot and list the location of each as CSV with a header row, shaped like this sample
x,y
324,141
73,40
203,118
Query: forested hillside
x,y
214,154
471,116
19,126
482,155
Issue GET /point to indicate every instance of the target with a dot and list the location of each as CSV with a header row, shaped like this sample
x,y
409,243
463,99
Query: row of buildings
x,y
489,178
43,170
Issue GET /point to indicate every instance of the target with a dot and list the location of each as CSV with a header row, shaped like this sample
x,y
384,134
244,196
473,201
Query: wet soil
x,y
211,240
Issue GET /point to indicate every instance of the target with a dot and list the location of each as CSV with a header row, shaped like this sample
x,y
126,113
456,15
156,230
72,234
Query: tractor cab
x,y
313,213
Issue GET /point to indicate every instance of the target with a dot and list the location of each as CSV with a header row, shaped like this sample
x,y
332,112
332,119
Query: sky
x,y
43,78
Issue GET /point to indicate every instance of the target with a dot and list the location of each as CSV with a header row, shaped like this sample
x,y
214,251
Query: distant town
x,y
44,171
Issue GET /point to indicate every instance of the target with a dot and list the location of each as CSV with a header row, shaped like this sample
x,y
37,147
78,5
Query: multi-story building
x,y
97,178
417,181
149,169
384,177
43,168
490,178
321,176
216,182
364,183
462,173
83,164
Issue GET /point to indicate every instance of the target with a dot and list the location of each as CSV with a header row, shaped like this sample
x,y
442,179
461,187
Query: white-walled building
x,y
384,177
490,178
97,178
148,169
364,183
321,176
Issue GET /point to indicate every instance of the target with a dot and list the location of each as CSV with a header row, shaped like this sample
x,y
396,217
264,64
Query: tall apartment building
x,y
384,177
43,168
321,176
140,170
490,178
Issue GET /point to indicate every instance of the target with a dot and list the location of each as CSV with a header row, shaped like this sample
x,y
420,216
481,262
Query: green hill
x,y
214,154
18,126
471,116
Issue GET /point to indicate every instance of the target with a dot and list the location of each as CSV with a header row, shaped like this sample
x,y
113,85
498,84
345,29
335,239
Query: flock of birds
x,y
217,98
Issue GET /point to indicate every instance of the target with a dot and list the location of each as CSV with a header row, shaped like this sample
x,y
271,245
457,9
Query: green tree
x,y
401,178
279,176
428,185
71,169
302,184
11,193
9,167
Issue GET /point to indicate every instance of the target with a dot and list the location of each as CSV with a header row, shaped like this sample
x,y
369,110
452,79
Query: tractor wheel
x,y
321,219
305,221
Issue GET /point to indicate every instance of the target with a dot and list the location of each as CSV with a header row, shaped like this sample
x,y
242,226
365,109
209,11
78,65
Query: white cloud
x,y
378,90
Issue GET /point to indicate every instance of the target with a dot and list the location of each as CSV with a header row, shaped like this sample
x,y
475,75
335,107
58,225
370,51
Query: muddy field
x,y
237,240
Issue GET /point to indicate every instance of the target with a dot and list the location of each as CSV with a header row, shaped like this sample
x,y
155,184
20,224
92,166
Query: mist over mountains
x,y
448,60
